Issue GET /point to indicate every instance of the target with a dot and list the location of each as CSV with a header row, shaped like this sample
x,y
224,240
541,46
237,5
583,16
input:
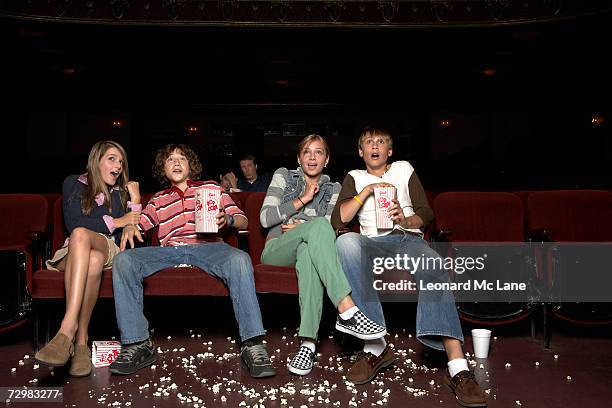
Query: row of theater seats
x,y
33,226
569,250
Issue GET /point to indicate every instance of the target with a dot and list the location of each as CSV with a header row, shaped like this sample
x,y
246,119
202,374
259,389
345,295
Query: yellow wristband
x,y
356,197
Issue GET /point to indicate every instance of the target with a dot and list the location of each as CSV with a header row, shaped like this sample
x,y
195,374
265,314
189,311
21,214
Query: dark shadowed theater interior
x,y
503,108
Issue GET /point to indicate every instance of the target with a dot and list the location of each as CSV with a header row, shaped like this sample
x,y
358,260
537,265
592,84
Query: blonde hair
x,y
311,138
370,131
95,182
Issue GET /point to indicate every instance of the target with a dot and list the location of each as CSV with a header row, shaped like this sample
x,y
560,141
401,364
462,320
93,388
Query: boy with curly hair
x,y
173,211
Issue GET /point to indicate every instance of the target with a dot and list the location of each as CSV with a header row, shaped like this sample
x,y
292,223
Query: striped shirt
x,y
173,211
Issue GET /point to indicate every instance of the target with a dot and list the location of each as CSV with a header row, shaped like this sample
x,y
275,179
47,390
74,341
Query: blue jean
x,y
218,259
436,311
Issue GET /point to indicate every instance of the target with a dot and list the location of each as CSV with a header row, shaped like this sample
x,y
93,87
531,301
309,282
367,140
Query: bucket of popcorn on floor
x,y
103,353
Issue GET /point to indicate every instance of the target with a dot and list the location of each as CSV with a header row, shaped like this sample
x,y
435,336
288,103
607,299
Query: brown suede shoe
x,y
80,365
466,389
368,365
57,352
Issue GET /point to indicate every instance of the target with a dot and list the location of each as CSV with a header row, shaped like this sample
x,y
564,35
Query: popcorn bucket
x,y
103,353
208,202
383,197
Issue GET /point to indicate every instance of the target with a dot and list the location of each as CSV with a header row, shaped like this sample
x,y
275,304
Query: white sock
x,y
457,365
376,346
309,344
349,313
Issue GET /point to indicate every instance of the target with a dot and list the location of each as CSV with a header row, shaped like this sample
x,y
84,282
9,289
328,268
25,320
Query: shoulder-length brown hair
x,y
95,182
159,173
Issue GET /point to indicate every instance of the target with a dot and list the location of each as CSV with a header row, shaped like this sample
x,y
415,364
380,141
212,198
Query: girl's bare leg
x,y
78,260
92,289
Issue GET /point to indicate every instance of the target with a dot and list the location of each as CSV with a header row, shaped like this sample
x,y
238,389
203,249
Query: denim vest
x,y
296,185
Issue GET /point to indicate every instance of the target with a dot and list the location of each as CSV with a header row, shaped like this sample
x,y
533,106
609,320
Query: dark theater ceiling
x,y
425,54
400,13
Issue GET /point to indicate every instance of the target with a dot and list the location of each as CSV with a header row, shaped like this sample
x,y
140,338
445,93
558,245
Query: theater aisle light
x,y
490,72
597,120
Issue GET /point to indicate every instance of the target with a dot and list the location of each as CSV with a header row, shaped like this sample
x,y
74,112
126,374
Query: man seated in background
x,y
252,181
228,181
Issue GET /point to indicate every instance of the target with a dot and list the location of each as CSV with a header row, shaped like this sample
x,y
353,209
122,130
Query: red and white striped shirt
x,y
174,212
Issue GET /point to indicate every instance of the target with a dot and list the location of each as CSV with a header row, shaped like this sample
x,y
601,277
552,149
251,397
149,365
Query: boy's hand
x,y
128,236
221,220
133,189
369,189
397,214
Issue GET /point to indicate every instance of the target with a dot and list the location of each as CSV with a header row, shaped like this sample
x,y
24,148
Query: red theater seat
x,y
268,278
578,227
22,216
24,221
480,216
182,281
477,223
571,215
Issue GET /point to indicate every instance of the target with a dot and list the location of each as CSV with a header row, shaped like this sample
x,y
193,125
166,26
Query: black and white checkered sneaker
x,y
302,362
360,326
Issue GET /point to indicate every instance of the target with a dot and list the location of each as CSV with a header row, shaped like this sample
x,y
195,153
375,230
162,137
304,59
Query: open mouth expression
x,y
313,158
375,152
176,168
111,166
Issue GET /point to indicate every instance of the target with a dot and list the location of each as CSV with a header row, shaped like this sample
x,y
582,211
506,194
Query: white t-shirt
x,y
398,174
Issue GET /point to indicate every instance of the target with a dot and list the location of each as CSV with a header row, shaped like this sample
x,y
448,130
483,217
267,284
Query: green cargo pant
x,y
310,247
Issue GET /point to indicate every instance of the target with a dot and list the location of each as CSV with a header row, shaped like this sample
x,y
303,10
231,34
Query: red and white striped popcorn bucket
x,y
208,202
383,197
103,353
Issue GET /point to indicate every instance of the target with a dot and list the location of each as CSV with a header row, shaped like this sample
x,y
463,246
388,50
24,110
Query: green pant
x,y
310,247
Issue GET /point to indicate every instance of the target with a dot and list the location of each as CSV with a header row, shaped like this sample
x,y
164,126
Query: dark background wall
x,y
486,108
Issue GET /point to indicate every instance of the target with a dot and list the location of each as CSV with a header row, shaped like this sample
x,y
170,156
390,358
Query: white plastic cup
x,y
481,339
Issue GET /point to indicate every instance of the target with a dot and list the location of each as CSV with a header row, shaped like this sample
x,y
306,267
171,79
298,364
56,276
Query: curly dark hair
x,y
195,167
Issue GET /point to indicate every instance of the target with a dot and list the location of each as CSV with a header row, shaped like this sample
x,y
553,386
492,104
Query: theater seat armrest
x,y
342,230
540,235
41,247
440,235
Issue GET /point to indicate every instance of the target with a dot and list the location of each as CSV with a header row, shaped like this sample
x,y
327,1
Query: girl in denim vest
x,y
297,210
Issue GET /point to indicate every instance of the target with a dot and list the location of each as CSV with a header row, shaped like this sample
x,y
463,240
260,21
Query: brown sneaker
x,y
80,365
466,389
57,352
368,365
